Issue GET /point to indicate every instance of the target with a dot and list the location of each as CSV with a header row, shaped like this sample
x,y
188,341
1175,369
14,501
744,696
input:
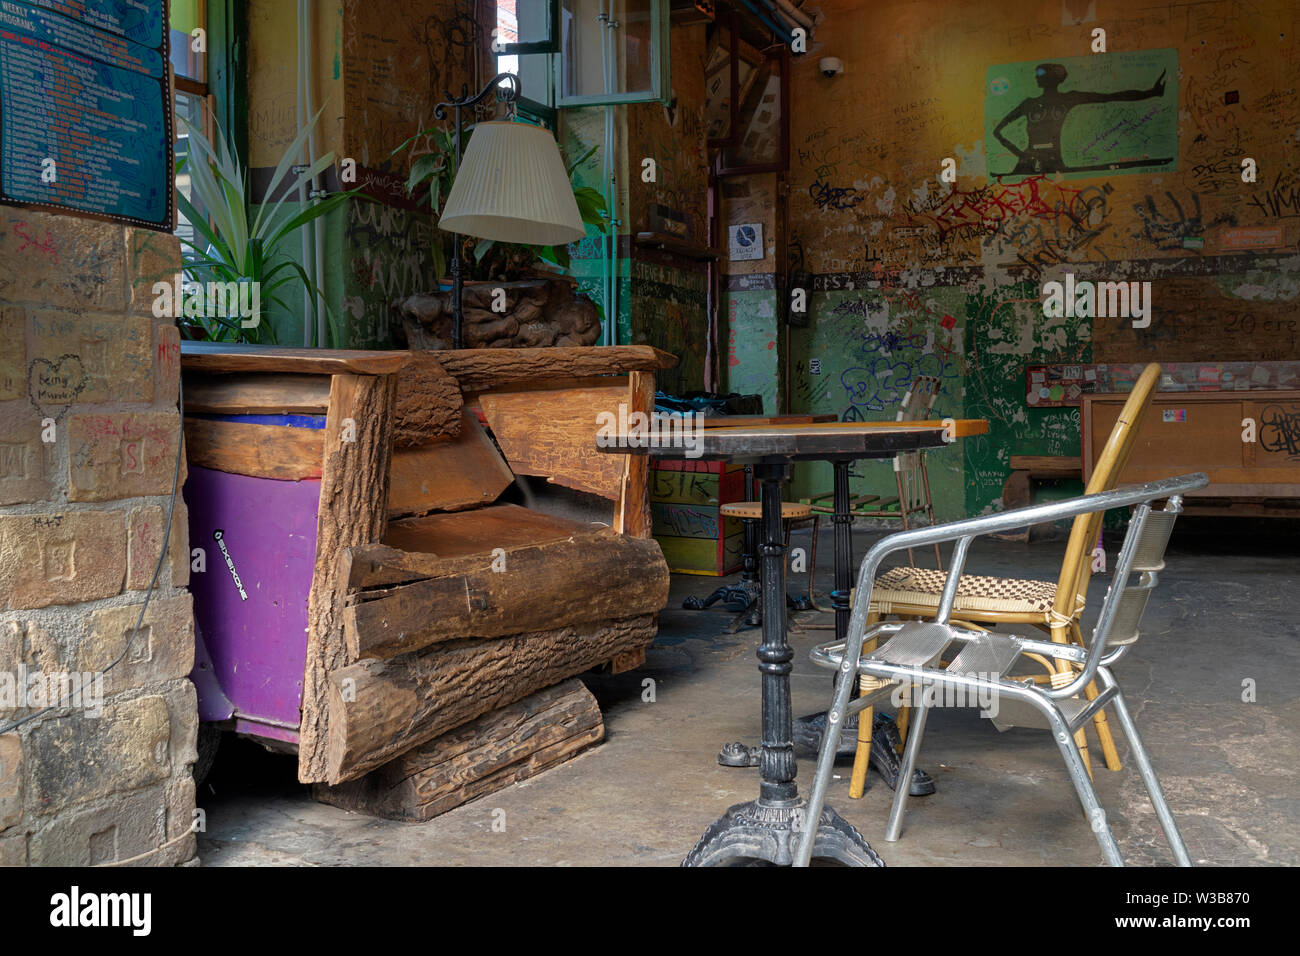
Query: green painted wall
x,y
751,331
1004,334
668,311
870,344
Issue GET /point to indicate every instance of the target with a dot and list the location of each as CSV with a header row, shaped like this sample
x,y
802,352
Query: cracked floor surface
x,y
1220,626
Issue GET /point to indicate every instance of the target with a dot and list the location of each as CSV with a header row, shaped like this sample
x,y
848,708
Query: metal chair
x,y
913,648
1055,607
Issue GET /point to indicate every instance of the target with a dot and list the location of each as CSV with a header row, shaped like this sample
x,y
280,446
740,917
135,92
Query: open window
x,y
188,23
612,51
570,53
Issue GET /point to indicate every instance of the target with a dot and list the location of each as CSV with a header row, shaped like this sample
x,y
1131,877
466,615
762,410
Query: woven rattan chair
x,y
1054,607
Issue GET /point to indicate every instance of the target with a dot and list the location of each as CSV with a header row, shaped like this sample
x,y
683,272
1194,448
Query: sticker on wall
x,y
1079,115
745,241
1042,380
1175,414
1252,237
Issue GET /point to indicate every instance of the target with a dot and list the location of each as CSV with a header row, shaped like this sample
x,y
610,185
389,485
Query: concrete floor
x,y
1224,614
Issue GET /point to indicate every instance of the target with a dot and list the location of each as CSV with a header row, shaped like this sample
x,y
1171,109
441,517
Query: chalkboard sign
x,y
85,108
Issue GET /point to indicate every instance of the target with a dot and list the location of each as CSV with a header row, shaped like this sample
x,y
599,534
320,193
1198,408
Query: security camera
x,y
830,65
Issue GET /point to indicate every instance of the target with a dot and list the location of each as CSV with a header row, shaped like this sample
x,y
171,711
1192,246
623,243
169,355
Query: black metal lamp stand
x,y
508,97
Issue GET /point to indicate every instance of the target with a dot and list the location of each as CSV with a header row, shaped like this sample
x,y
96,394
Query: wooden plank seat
x,y
430,604
460,533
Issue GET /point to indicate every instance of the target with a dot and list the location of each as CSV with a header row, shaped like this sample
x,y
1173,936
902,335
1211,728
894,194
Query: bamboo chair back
x,y
919,400
1076,569
916,406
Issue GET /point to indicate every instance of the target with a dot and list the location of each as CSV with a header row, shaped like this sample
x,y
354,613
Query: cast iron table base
x,y
808,729
766,829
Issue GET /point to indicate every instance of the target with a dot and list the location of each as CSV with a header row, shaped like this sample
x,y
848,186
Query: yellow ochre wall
x,y
912,274
913,94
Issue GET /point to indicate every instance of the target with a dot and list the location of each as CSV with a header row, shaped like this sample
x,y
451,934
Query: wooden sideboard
x,y
1209,432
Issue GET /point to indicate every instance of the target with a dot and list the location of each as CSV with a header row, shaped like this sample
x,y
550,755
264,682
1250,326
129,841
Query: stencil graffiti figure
x,y
1045,115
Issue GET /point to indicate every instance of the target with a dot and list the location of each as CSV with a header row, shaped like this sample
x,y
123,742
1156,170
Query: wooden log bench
x,y
503,746
385,597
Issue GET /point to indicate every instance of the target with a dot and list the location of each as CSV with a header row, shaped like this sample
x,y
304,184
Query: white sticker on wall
x,y
745,241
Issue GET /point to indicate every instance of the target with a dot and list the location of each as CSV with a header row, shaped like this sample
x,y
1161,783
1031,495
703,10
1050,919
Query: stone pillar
x,y
89,430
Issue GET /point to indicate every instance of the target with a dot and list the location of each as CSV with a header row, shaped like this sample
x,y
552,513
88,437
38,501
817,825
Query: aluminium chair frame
x,y
846,658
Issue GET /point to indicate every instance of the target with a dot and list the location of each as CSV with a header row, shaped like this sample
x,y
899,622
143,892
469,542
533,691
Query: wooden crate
x,y
1203,431
685,496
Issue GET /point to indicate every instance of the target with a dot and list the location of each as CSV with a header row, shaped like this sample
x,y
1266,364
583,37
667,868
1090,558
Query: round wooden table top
x,y
822,441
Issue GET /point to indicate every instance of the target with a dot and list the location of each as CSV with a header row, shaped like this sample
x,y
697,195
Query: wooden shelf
x,y
678,247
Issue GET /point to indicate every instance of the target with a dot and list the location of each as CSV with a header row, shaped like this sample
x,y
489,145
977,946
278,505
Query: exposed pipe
x,y
611,84
763,16
790,24
609,252
782,275
302,186
315,192
794,13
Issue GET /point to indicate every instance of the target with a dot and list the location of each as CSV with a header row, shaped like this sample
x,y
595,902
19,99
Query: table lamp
x,y
511,186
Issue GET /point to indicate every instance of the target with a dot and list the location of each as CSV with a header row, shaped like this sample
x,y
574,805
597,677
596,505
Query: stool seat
x,y
790,510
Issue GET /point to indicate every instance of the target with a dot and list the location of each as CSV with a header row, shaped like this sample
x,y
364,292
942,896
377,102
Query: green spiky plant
x,y
235,249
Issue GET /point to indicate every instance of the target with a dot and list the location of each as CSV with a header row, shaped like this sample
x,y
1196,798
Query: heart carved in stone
x,y
56,383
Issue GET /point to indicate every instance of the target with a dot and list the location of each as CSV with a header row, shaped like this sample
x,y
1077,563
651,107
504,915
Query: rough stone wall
x,y
89,428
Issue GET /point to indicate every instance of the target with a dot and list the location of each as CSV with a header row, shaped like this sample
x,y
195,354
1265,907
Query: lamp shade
x,y
512,187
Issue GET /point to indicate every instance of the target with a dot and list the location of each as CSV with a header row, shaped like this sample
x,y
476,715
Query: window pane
x,y
525,21
760,139
189,107
593,66
186,17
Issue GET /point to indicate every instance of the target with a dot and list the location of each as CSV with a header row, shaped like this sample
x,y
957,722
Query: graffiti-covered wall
x,y
972,152
379,69
669,292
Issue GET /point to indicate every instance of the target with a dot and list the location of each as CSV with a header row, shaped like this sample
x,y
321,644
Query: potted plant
x,y
229,248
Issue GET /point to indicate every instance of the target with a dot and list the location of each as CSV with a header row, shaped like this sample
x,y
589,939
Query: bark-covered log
x,y
487,754
517,589
428,403
352,511
379,709
533,313
477,370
